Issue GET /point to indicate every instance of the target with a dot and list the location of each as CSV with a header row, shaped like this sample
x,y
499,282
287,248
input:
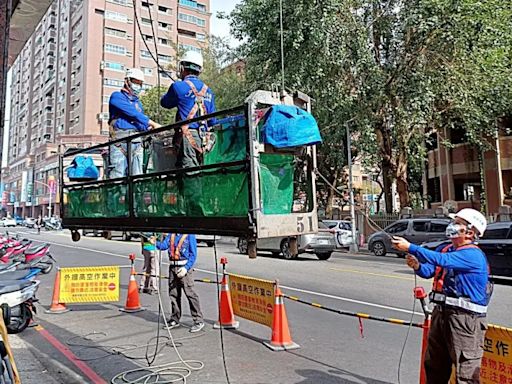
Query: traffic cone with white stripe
x,y
226,315
56,306
133,298
281,338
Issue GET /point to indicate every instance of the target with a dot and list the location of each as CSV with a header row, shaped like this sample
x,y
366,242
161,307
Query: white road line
x,y
326,295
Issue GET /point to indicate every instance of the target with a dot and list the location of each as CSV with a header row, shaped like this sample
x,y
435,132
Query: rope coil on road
x,y
356,314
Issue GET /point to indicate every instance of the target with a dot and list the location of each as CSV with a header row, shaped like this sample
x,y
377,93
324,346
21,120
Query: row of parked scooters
x,y
20,264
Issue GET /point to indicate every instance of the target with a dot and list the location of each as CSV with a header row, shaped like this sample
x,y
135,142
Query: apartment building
x,y
66,72
454,178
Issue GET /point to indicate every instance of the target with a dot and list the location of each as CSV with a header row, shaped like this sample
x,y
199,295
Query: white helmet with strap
x,y
134,73
472,217
192,60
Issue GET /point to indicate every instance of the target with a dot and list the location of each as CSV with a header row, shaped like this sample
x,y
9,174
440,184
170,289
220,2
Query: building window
x,y
145,4
114,66
164,41
115,32
117,49
120,2
113,82
200,36
162,9
164,26
188,47
116,16
148,37
147,71
106,99
191,19
193,4
145,21
165,58
145,54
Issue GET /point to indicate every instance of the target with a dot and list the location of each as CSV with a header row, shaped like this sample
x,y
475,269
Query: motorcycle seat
x,y
34,250
13,285
14,275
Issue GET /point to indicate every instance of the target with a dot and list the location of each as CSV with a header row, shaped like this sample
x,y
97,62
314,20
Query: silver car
x,y
322,244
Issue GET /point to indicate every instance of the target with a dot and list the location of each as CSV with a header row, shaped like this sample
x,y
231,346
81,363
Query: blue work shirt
x,y
467,271
180,96
188,250
127,109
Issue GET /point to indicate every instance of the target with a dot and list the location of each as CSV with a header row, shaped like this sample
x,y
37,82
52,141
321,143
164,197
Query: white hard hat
x,y
193,57
135,73
473,217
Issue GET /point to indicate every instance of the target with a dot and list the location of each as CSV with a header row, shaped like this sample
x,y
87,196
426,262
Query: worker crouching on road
x,y
149,282
182,257
126,117
461,292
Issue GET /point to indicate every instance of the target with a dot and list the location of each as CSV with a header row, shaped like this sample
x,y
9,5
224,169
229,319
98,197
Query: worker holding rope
x,y
461,292
182,257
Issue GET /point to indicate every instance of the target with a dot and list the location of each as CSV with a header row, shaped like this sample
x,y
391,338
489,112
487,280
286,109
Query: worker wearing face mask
x,y
126,118
461,292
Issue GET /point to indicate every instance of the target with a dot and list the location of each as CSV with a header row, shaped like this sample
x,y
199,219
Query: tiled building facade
x,y
65,74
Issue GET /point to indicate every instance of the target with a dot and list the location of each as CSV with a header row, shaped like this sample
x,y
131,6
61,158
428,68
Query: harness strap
x,y
198,107
175,251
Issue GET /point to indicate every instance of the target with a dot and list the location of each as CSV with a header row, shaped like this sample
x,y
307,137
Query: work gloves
x,y
181,272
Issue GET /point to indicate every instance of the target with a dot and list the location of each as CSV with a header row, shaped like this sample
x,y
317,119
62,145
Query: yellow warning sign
x,y
253,299
497,360
89,284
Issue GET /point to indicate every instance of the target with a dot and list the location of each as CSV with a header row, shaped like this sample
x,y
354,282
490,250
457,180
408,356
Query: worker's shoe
x,y
171,324
197,327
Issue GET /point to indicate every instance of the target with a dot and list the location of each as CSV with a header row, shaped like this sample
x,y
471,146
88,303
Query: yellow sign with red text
x,y
252,299
89,284
497,360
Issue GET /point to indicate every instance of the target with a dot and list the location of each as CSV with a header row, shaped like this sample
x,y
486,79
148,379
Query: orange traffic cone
x,y
226,315
57,306
281,338
133,299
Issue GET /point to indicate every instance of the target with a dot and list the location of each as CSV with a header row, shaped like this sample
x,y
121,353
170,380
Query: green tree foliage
x,y
394,70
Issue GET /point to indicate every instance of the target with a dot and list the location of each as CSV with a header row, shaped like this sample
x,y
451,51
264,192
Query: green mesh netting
x,y
97,201
276,183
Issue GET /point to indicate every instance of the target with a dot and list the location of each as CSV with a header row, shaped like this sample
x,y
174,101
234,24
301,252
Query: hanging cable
x,y
155,59
218,309
155,41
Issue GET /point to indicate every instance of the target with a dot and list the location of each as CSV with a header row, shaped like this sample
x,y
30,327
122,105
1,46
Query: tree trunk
x,y
387,181
402,185
385,143
331,195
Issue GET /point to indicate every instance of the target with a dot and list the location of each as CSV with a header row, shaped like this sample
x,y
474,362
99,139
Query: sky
x,y
221,27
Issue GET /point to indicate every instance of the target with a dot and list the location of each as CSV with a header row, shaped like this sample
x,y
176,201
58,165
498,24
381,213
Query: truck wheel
x,y
285,250
75,236
242,246
323,255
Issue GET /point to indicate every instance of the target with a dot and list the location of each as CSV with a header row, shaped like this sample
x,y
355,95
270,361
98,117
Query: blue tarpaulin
x,y
288,126
83,168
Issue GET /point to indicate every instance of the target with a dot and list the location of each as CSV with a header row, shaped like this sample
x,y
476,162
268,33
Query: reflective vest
x,y
175,252
438,284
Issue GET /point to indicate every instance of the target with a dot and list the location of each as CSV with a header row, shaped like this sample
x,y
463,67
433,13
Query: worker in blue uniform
x,y
126,117
182,257
193,98
461,293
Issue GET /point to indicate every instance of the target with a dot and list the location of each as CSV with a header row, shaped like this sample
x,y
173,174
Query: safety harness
x,y
175,251
198,109
439,297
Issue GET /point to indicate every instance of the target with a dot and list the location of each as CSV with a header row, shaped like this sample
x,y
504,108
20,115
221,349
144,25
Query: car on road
x,y
496,243
342,232
7,222
94,232
209,240
415,230
322,244
126,236
29,222
19,220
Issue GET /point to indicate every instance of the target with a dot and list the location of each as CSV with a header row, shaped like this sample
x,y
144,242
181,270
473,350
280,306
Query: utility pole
x,y
353,246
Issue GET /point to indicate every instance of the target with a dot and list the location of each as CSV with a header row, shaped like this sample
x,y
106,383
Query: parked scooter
x,y
20,296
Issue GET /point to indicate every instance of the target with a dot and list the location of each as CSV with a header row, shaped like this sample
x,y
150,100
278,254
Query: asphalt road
x,y
332,349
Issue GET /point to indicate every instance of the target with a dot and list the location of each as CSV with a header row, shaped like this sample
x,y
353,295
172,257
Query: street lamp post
x,y
353,246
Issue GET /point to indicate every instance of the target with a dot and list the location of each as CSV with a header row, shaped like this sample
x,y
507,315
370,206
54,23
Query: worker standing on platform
x,y
182,257
193,98
461,292
126,117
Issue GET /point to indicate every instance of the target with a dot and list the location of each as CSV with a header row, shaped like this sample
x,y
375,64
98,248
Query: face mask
x,y
136,88
454,230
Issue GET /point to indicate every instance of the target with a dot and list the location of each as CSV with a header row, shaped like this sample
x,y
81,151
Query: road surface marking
x,y
72,358
372,274
326,295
